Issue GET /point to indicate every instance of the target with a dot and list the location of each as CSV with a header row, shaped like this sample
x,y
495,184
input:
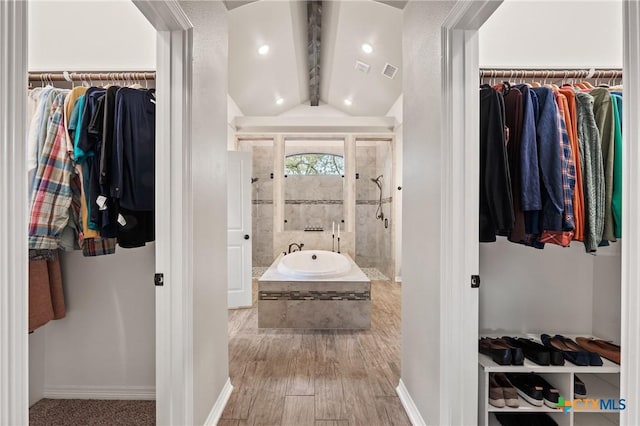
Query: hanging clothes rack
x,y
519,74
91,76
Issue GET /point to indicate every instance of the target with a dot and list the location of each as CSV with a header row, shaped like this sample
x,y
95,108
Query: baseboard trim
x,y
100,392
218,407
409,406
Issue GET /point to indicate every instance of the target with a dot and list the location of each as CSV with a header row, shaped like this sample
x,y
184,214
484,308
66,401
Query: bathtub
x,y
314,264
314,289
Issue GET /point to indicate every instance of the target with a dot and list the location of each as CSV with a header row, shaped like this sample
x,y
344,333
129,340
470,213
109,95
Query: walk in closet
x,y
574,290
104,347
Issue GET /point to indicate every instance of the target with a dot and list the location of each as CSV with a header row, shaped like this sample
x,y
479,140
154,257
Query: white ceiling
x,y
255,82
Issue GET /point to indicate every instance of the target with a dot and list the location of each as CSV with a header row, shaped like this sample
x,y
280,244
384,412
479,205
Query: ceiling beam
x,y
314,19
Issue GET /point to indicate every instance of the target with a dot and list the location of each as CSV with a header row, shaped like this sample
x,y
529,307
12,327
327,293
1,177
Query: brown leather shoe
x,y
603,348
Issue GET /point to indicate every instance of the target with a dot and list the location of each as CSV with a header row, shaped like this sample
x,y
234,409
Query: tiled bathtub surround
x,y
328,303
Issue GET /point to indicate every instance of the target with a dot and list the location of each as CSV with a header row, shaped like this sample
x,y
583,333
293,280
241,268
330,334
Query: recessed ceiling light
x,y
279,101
348,102
367,48
264,49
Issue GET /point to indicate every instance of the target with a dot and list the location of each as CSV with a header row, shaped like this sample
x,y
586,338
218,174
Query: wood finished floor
x,y
319,378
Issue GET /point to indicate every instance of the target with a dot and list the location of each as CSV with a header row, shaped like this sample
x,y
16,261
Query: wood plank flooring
x,y
313,377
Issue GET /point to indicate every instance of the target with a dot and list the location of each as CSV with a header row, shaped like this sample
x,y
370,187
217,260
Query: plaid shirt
x,y
51,190
568,168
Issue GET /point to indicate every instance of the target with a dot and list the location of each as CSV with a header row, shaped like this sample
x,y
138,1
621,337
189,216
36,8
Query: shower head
x,y
377,181
254,180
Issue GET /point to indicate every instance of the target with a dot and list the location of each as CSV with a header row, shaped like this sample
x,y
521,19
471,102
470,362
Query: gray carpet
x,y
72,412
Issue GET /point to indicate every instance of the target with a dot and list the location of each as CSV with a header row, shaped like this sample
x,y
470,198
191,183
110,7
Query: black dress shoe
x,y
528,389
517,355
499,355
576,357
533,351
594,358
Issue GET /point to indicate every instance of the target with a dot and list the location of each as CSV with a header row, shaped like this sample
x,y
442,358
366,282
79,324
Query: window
x,y
314,164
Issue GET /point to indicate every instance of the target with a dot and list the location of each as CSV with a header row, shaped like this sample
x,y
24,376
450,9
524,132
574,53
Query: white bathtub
x,y
314,264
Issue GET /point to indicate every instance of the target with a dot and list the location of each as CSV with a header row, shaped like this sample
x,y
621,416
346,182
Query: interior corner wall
x,y
209,186
422,77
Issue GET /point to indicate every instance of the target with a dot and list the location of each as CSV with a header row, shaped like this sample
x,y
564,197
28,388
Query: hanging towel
x,y
46,297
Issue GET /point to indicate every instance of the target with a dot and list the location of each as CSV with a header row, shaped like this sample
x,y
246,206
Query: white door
x,y
239,229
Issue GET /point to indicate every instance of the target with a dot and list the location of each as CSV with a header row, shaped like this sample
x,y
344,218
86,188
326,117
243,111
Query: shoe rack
x,y
602,382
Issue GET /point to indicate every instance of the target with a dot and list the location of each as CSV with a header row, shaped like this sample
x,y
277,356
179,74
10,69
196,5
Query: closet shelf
x,y
488,365
524,407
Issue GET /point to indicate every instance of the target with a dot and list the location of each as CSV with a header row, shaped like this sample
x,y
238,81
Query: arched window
x,y
314,164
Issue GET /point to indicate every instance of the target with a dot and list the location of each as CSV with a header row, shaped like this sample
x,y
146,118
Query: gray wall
x,y
313,201
209,180
373,240
421,52
262,209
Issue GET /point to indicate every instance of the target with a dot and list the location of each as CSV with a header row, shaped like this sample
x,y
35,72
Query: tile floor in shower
x,y
371,273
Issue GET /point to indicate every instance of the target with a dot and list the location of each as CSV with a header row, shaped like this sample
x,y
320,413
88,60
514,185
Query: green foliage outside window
x,y
314,164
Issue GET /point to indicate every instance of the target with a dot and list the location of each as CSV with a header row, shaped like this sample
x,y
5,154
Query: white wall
x,y
209,186
108,337
233,111
421,177
107,340
89,36
553,34
396,112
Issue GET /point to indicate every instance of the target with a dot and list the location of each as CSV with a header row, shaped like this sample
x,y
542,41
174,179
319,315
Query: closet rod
x,y
550,73
86,76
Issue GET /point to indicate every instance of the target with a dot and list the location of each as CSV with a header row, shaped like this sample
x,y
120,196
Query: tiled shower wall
x,y
373,240
262,199
313,201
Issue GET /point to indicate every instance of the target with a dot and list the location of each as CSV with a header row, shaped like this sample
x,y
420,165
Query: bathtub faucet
x,y
299,246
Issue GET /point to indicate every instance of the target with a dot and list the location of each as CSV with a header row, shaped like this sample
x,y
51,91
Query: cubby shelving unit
x,y
602,382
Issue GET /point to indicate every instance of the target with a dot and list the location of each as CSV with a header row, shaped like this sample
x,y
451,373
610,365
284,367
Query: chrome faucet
x,y
299,246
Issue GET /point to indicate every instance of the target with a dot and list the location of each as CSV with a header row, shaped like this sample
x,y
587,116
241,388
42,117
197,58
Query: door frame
x,y
459,320
174,304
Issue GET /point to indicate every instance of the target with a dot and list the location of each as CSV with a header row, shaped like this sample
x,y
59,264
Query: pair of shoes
x,y
579,389
601,347
534,389
522,419
571,351
500,351
536,352
502,392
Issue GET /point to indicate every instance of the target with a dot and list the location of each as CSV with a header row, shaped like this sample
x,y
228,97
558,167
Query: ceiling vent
x,y
389,70
363,66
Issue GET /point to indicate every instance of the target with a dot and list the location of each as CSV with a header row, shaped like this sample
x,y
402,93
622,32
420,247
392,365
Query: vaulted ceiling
x,y
270,84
